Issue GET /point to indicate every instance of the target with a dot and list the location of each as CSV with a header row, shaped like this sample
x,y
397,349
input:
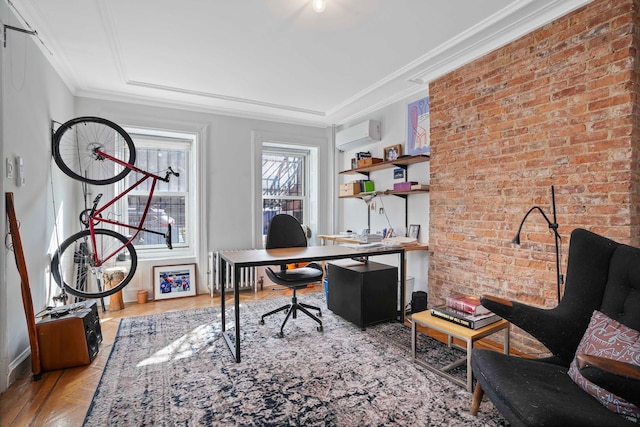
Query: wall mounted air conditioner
x,y
358,134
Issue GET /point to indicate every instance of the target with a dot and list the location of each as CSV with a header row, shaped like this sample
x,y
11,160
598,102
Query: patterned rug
x,y
174,369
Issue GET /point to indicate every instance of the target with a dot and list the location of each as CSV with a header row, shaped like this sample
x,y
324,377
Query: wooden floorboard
x,y
62,398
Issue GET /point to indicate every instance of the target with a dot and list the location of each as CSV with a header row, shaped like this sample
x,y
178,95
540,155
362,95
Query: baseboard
x,y
19,367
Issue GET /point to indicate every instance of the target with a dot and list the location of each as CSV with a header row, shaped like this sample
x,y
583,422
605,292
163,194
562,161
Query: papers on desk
x,y
400,241
365,245
392,242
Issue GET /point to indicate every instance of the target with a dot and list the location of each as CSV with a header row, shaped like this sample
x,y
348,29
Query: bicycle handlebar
x,y
169,173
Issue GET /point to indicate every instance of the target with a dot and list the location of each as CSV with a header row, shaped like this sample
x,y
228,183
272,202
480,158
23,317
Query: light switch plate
x,y
8,167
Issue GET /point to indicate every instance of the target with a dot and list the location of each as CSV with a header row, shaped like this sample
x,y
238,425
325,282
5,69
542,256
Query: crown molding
x,y
511,23
225,97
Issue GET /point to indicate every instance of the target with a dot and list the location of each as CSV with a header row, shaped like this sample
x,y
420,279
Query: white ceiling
x,y
272,59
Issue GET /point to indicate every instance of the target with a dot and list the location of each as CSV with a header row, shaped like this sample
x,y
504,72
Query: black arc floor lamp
x,y
552,226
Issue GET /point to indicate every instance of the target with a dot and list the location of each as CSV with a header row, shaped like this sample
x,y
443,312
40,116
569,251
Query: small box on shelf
x,y
403,186
368,161
349,189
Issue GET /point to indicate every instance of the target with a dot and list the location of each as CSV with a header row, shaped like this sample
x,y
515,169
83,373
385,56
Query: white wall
x,y
352,213
32,95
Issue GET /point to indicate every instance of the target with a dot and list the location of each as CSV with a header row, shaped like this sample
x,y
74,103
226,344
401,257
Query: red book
x,y
466,303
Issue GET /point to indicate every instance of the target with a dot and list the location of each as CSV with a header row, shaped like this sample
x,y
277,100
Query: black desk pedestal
x,y
363,294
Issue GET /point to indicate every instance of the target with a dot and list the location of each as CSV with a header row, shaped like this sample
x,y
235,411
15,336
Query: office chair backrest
x,y
285,232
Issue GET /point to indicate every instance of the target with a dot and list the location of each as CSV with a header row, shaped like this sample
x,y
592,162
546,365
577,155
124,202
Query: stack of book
x,y
466,311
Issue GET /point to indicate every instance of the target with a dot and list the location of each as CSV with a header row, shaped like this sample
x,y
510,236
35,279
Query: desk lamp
x,y
552,226
368,199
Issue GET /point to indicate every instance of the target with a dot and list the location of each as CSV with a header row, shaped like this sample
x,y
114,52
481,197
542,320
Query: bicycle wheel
x,y
74,150
73,266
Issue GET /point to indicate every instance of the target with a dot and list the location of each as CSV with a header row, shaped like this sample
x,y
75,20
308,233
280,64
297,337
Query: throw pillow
x,y
608,338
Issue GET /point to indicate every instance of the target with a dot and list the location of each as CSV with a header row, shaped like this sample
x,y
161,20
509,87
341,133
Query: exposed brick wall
x,y
556,107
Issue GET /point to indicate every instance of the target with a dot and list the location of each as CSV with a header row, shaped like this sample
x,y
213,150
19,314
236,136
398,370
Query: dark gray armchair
x,y
602,275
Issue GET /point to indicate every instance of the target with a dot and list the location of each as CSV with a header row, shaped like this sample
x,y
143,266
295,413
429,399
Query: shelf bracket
x,y
405,167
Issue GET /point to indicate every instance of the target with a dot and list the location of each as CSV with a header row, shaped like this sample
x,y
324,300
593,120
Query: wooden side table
x,y
453,330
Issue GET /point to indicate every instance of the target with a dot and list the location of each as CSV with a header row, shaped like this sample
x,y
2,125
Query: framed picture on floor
x,y
174,281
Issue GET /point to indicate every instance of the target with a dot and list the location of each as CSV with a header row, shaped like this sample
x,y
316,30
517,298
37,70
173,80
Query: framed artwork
x,y
414,230
418,127
174,281
392,152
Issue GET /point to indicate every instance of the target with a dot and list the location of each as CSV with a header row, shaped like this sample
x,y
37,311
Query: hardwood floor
x,y
62,398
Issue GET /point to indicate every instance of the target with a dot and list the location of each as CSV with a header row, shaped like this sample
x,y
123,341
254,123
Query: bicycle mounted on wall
x,y
97,151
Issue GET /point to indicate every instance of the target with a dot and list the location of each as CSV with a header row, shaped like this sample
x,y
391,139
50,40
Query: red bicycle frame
x,y
96,213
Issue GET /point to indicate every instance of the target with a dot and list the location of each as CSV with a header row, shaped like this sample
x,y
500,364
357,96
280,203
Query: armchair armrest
x,y
620,378
543,324
490,299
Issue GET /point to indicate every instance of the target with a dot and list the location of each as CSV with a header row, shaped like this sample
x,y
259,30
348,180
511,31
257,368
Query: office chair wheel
x,y
262,321
319,313
280,334
319,328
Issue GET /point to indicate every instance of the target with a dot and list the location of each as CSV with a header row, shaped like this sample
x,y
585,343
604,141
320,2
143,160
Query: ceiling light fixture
x,y
319,5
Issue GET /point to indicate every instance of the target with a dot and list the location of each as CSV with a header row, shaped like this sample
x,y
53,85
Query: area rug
x,y
174,369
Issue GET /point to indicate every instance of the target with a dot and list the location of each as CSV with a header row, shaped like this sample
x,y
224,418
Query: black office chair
x,y
285,232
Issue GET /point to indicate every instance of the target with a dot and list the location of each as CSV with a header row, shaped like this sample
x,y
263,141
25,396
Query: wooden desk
x,y
452,330
261,257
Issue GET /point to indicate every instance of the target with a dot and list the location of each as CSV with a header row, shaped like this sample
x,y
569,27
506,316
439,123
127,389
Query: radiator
x,y
248,276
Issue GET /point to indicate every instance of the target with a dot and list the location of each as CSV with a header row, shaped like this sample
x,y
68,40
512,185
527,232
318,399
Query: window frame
x,y
305,154
143,138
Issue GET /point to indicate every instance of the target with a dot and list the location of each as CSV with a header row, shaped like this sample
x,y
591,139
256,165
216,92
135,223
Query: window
x,y
172,202
284,184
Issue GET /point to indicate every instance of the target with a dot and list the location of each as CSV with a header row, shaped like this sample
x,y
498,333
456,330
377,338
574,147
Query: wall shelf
x,y
402,162
385,193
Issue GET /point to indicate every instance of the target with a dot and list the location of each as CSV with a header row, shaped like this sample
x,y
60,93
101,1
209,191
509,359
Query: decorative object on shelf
x,y
402,161
363,155
392,152
174,281
552,226
418,127
367,186
414,231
